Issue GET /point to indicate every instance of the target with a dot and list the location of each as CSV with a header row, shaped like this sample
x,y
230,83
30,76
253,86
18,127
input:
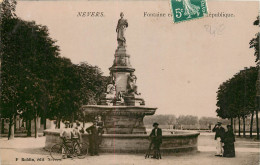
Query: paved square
x,y
30,151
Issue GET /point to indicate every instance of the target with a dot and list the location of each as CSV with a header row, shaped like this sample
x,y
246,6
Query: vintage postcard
x,y
129,82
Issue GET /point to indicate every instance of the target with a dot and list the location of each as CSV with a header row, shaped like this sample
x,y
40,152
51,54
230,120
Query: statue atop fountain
x,y
120,29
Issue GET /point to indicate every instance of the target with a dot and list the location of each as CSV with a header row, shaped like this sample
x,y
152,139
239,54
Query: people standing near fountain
x,y
156,139
100,126
76,133
93,139
65,135
229,139
66,132
220,131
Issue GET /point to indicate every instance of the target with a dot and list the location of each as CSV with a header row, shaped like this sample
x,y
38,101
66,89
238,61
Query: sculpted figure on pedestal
x,y
120,98
131,84
111,91
120,29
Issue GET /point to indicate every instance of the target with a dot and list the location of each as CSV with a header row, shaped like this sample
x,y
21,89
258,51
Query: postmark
x,y
184,10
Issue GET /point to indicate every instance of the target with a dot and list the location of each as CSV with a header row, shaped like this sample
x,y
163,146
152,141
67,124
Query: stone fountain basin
x,y
120,119
179,141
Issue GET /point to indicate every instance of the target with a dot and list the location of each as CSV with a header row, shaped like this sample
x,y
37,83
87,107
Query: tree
x,y
236,97
226,100
187,120
92,83
161,119
257,102
8,93
254,43
208,121
35,80
74,86
27,58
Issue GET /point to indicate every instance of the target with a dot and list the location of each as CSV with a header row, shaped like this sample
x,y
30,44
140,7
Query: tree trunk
x,y
231,122
26,123
251,124
44,125
11,127
19,123
3,126
72,120
239,128
257,126
35,126
29,126
58,123
15,123
234,126
244,126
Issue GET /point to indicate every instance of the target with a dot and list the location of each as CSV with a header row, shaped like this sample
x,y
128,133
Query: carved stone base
x,y
129,100
124,124
121,57
134,100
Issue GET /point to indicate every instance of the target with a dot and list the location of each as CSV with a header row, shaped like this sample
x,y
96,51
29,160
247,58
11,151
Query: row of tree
x,y
35,80
182,120
239,97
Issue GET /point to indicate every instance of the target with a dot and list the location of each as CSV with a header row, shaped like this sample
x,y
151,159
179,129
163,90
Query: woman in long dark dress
x,y
229,139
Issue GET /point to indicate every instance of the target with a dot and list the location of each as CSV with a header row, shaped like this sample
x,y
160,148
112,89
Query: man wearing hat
x,y
156,137
93,139
76,132
65,134
220,131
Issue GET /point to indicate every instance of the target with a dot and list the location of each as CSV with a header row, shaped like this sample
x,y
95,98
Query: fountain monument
x,y
122,110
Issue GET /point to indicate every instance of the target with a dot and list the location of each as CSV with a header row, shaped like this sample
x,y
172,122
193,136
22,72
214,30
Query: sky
x,y
179,66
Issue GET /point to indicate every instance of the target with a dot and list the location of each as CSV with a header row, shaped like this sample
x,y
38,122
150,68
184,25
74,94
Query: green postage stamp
x,y
184,10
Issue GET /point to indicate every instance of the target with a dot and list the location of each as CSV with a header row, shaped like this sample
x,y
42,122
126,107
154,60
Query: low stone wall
x,y
134,143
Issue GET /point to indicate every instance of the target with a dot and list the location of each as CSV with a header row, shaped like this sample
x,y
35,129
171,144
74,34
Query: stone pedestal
x,y
121,69
121,57
121,81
